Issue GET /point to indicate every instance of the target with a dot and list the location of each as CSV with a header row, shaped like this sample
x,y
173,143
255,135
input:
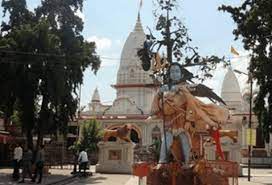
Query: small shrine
x,y
115,157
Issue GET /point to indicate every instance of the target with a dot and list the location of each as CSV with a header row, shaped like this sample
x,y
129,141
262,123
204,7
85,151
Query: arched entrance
x,y
134,136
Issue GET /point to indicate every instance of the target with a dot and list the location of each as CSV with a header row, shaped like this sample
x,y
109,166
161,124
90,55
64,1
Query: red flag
x,y
216,136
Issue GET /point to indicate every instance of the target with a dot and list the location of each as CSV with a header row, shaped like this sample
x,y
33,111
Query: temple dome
x,y
230,92
132,81
130,69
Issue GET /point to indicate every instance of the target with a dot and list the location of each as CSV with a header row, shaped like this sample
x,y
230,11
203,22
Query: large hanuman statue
x,y
176,104
183,113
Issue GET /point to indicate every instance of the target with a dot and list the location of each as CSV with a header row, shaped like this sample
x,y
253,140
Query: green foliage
x,y
176,41
75,147
44,56
15,118
254,26
91,135
1,114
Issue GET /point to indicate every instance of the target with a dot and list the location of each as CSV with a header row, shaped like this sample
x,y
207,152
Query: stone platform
x,y
115,157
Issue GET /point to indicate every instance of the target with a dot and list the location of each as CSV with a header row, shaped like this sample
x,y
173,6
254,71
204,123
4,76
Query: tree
x,y
45,57
254,27
20,83
174,39
91,134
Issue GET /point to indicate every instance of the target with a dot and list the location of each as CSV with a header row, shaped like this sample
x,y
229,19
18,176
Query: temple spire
x,y
138,26
96,96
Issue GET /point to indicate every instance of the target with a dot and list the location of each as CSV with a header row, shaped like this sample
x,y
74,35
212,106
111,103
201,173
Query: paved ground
x,y
56,175
106,179
259,177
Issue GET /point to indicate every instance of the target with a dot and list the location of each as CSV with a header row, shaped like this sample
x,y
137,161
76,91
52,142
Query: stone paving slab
x,y
56,175
258,177
256,181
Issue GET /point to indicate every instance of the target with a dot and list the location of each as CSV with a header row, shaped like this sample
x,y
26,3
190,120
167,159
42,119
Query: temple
x,y
134,94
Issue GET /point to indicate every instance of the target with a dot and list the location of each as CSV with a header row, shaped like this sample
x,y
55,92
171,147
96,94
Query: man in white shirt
x,y
17,157
83,161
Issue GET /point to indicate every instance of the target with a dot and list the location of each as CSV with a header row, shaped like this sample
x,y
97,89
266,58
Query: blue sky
x,y
109,22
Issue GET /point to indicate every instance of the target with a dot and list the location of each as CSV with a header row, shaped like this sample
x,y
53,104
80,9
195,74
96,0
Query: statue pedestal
x,y
115,157
231,151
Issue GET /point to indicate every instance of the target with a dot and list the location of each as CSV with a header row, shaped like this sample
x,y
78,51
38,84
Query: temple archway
x,y
134,136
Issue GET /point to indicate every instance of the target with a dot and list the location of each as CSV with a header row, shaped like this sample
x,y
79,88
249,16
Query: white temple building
x,y
238,121
134,94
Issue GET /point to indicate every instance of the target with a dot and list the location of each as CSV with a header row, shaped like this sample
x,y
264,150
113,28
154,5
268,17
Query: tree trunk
x,y
8,112
44,112
269,116
29,137
40,140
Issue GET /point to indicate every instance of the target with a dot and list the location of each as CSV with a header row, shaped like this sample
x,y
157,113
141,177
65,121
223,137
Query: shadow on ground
x,y
7,179
96,180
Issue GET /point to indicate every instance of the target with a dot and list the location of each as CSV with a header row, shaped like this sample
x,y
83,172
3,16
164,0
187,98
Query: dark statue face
x,y
175,73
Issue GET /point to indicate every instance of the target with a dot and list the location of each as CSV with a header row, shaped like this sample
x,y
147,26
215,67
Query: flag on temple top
x,y
233,51
141,3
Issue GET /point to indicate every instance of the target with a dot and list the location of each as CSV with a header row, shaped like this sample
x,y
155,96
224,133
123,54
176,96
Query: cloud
x,y
109,62
101,42
118,42
108,49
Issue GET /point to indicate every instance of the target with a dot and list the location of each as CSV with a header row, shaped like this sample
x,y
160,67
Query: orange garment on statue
x,y
181,106
203,114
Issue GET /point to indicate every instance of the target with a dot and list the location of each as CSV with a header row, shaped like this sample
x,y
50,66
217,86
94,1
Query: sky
x,y
109,22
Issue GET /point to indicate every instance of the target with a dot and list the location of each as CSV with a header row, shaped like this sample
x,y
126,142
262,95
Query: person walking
x,y
39,164
83,161
27,164
17,157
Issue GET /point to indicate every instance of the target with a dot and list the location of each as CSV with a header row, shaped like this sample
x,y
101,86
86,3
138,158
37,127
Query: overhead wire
x,y
54,66
101,56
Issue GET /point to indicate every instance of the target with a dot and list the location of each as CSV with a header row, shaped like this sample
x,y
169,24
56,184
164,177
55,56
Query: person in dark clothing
x,y
26,163
39,164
